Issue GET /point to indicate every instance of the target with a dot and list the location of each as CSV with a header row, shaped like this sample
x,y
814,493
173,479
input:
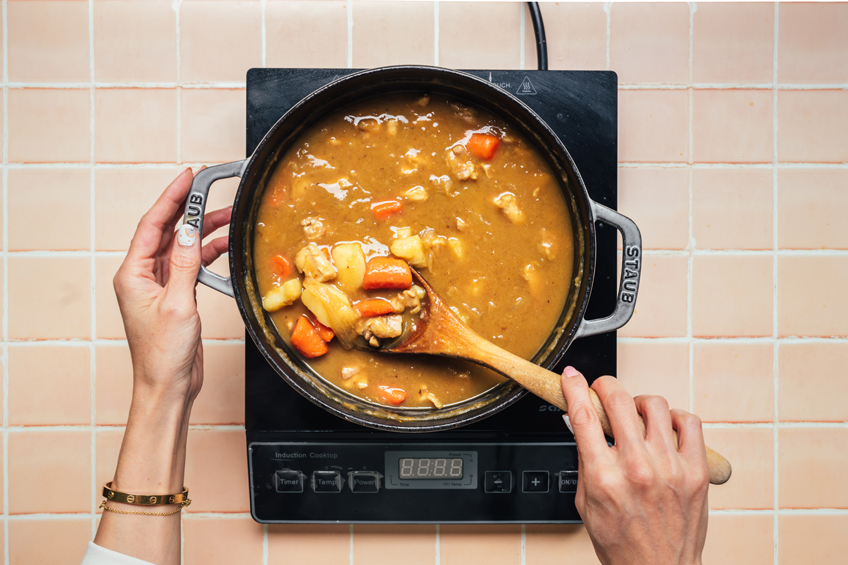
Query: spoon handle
x,y
546,385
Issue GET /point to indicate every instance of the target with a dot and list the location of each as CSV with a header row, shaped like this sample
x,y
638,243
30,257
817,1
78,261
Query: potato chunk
x,y
280,296
312,262
509,204
410,249
416,194
350,262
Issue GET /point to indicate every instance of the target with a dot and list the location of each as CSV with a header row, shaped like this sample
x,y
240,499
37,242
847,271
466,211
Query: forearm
x,y
151,461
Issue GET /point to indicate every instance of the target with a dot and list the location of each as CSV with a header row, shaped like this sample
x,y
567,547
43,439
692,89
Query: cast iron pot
x,y
256,170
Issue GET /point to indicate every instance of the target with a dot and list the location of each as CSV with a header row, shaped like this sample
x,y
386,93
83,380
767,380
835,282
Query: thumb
x,y
582,418
185,262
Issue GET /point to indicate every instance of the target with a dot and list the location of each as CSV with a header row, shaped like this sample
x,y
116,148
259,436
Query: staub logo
x,y
194,209
630,275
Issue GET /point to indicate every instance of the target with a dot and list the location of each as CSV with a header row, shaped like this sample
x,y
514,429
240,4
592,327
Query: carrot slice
x,y
392,395
386,272
307,340
374,307
483,145
385,209
327,334
281,265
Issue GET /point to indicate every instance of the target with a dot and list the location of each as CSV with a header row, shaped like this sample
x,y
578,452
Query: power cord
x,y
539,29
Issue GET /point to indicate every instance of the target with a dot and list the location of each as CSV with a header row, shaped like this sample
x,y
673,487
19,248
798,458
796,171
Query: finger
x,y
161,218
184,264
690,436
654,410
214,220
585,424
214,249
621,411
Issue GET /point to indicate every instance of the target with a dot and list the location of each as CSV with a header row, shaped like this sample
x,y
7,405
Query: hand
x,y
644,500
156,293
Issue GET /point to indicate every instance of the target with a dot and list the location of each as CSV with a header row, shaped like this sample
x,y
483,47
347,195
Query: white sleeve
x,y
96,555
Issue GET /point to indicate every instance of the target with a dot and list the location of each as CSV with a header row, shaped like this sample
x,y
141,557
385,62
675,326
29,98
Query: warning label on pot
x,y
526,87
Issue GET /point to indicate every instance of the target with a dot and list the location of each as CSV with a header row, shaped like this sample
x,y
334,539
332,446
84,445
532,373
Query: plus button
x,y
536,482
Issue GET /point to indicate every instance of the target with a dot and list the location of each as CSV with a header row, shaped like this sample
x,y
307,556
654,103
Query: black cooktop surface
x,y
581,107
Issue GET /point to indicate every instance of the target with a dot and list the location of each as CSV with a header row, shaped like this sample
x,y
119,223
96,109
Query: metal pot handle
x,y
196,208
631,268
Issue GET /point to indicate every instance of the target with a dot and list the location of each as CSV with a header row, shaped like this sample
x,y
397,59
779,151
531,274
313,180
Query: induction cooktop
x,y
517,466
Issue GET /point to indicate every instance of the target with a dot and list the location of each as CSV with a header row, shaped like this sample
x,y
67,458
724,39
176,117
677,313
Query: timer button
x,y
327,481
535,481
289,480
567,481
498,481
364,481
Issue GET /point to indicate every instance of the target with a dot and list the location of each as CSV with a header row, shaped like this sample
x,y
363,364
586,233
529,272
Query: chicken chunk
x,y
509,204
380,327
313,227
408,299
416,194
312,262
460,164
547,245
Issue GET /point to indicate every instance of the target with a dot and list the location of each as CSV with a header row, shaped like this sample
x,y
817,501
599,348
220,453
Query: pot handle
x,y
196,208
631,268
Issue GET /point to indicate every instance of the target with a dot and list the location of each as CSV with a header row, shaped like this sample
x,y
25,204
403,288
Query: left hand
x,y
155,287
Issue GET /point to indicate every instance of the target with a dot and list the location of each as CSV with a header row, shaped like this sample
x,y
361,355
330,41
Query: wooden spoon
x,y
440,332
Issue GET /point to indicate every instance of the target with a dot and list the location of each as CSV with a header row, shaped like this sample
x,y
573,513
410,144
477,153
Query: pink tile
x,y
68,537
110,325
808,538
225,490
220,315
52,297
732,126
811,207
49,385
812,463
213,541
146,134
309,543
745,368
48,42
476,35
733,208
739,539
113,392
219,40
286,22
49,126
655,368
811,299
63,196
661,304
122,196
575,34
733,43
135,41
751,453
212,125
546,544
812,43
379,542
393,33
658,201
108,446
653,125
222,399
812,381
732,296
812,126
460,545
35,457
649,43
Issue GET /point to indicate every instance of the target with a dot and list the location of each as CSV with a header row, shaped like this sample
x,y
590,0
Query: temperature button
x,y
567,481
327,481
364,481
289,480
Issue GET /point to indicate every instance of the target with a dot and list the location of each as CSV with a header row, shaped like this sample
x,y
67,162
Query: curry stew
x,y
416,180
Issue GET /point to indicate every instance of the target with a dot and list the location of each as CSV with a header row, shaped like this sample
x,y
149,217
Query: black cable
x,y
539,28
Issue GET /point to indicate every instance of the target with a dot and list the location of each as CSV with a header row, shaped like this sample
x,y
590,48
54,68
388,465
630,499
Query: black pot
x,y
255,170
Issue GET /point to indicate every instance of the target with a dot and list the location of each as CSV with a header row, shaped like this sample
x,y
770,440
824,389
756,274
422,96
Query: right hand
x,y
644,500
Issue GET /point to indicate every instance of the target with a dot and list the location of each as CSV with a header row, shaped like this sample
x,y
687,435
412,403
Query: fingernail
x,y
567,421
186,235
571,372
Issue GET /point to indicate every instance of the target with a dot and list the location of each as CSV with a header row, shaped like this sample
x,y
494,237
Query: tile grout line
x,y
350,41
775,329
522,36
262,6
350,555
177,7
523,544
264,544
436,33
92,274
438,559
6,557
608,11
690,262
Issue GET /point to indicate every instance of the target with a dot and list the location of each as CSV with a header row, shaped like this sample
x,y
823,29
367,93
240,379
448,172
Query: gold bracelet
x,y
144,499
181,506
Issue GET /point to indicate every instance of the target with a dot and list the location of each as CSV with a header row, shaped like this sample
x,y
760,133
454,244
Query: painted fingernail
x,y
186,235
567,421
570,372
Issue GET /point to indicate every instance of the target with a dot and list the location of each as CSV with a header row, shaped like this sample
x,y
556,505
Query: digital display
x,y
430,468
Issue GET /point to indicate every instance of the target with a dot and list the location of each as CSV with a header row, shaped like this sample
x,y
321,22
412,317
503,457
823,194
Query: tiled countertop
x,y
733,151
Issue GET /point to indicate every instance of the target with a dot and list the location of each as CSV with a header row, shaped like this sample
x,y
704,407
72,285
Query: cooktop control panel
x,y
521,482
